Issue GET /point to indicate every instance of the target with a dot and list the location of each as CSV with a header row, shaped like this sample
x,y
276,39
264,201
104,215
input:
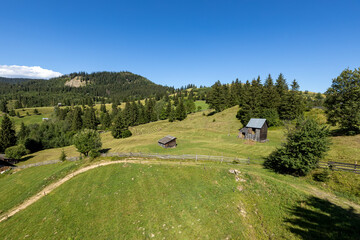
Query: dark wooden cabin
x,y
168,142
255,130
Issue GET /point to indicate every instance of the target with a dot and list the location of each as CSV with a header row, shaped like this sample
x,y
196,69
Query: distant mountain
x,y
16,80
78,88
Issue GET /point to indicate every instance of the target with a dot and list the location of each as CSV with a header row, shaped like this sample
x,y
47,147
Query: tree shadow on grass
x,y
342,132
105,150
316,218
211,113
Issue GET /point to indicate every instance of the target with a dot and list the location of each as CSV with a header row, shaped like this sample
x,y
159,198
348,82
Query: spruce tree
x,y
271,97
7,134
105,120
90,120
23,132
216,97
103,108
281,85
77,122
3,106
292,105
181,111
118,127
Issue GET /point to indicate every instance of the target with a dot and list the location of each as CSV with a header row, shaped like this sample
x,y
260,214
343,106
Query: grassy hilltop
x,y
166,199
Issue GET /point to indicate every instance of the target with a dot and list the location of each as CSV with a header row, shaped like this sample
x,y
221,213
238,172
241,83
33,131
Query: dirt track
x,y
54,185
309,190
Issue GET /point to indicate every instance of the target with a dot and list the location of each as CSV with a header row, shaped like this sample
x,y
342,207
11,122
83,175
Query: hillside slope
x,y
189,201
116,85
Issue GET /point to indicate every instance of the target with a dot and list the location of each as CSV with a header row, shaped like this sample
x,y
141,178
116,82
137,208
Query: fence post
x,y
222,159
196,158
248,160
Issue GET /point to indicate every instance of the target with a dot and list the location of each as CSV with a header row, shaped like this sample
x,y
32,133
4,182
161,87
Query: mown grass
x,y
138,201
20,185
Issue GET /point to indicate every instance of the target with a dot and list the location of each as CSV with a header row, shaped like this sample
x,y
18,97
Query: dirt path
x,y
54,185
307,189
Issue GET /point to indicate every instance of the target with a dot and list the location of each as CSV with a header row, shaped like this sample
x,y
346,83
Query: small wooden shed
x,y
255,130
167,142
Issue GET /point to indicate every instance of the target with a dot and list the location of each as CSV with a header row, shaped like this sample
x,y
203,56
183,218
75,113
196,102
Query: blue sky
x,y
181,42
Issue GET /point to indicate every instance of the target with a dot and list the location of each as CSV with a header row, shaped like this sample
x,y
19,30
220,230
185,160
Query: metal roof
x,y
256,123
166,139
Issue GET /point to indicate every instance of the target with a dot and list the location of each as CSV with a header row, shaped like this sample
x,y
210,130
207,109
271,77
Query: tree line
x,y
274,101
68,121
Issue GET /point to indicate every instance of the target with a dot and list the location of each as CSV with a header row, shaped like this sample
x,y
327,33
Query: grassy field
x,y
138,201
17,187
197,134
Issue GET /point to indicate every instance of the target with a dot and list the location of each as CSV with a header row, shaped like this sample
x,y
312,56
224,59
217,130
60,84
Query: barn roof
x,y
166,139
256,123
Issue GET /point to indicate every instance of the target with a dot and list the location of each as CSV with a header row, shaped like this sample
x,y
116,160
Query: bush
x,y
94,154
306,145
63,156
126,133
15,152
322,176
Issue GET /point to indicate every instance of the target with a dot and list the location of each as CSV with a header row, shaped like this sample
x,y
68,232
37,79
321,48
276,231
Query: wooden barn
x,y
255,130
168,142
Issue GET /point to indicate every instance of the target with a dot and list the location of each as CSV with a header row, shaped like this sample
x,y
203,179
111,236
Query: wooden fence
x,y
184,157
180,157
339,166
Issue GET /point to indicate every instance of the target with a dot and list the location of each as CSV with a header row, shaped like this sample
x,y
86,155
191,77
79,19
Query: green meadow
x,y
173,201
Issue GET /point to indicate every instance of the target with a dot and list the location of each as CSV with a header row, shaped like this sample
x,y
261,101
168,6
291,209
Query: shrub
x,y
306,145
15,152
322,176
94,154
126,133
63,156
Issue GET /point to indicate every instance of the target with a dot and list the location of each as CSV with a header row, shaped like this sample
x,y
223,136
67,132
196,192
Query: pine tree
x,y
90,120
3,106
23,132
141,118
292,105
118,127
281,85
271,97
181,111
7,134
172,114
168,110
216,97
76,122
103,108
105,120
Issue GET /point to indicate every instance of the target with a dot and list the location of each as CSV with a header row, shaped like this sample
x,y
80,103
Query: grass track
x,y
17,187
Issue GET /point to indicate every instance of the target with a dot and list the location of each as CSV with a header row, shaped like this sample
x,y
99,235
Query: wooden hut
x,y
255,130
168,142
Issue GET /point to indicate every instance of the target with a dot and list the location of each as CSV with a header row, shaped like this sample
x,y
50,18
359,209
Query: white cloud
x,y
15,71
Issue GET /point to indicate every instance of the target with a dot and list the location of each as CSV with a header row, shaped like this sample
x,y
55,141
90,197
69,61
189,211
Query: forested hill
x,y
77,88
15,80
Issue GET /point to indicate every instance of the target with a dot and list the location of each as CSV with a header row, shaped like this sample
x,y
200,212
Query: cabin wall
x,y
171,144
263,133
